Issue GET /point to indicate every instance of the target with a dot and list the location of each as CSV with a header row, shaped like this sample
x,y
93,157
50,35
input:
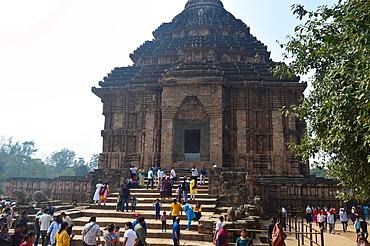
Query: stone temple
x,y
201,93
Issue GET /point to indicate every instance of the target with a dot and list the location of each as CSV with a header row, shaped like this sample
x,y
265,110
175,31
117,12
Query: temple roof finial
x,y
191,3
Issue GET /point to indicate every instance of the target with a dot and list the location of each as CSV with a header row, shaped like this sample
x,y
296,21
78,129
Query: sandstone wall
x,y
28,185
236,187
68,188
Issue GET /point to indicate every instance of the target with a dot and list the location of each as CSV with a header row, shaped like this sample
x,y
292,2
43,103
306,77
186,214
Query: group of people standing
x,y
220,235
101,193
53,230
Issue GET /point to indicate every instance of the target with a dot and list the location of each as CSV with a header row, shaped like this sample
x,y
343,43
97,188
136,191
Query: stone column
x,y
241,122
278,143
149,139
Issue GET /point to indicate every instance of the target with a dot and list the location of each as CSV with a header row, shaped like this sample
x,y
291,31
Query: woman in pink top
x,y
29,238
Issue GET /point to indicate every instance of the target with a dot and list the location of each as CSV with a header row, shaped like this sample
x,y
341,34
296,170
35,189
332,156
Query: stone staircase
x,y
155,237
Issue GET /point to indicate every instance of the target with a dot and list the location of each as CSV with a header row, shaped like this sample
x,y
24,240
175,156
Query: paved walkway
x,y
338,239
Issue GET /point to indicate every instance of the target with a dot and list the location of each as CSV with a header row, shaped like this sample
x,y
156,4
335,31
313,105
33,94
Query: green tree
x,y
67,172
61,160
93,164
80,170
334,45
319,172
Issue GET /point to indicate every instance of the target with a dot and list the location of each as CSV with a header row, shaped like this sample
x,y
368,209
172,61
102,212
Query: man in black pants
x,y
271,228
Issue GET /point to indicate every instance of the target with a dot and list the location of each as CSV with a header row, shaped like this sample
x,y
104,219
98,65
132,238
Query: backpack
x,y
102,190
185,186
3,219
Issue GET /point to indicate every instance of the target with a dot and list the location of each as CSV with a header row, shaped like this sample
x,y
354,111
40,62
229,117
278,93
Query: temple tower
x,y
201,93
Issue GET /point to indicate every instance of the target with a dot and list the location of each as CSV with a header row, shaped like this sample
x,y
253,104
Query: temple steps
x,y
107,214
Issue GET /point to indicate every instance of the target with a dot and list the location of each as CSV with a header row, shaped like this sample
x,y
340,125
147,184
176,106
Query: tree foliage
x,y
93,164
16,160
334,45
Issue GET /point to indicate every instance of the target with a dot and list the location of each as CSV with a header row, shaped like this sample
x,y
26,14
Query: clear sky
x,y
53,51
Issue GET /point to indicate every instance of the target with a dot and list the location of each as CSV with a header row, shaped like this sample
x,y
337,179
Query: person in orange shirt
x,y
175,210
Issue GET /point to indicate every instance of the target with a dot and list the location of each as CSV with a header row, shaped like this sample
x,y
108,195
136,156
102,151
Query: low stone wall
x,y
68,188
28,186
63,188
236,187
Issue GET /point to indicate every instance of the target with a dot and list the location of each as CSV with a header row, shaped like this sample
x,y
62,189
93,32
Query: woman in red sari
x,y
278,235
222,236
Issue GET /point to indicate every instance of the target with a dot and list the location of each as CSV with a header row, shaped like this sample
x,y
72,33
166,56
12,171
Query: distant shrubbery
x,y
17,160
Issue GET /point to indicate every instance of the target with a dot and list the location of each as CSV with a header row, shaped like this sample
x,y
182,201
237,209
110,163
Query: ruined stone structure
x,y
201,93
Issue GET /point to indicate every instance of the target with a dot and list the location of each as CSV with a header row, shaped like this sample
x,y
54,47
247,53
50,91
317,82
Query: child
x,y
163,219
158,206
119,204
116,230
133,203
363,225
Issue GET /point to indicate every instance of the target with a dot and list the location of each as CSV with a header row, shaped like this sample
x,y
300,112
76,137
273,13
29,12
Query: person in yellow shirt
x,y
198,211
175,210
61,237
193,188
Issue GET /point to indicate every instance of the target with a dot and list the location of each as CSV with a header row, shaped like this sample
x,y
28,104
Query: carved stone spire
x,y
192,3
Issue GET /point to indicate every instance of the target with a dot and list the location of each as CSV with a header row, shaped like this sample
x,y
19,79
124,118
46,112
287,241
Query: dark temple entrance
x,y
192,145
191,140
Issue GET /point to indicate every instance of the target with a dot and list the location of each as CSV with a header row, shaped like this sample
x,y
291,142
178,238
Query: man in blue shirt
x,y
176,232
150,178
135,222
51,208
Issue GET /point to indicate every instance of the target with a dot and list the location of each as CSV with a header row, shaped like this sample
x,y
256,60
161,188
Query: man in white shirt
x,y
321,219
129,238
219,225
90,232
343,218
331,222
194,174
308,214
173,176
44,223
133,171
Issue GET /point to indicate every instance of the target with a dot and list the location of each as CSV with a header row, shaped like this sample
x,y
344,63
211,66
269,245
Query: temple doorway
x,y
192,145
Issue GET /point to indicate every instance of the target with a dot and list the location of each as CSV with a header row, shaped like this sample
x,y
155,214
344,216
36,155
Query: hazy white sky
x,y
53,51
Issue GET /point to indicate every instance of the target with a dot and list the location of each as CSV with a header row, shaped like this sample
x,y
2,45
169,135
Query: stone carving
x,y
140,62
258,205
238,214
133,143
225,58
258,57
211,55
180,55
39,197
21,197
243,210
182,34
260,143
200,12
231,214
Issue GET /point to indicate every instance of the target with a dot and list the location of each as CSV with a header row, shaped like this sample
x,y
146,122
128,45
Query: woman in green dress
x,y
141,178
244,240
